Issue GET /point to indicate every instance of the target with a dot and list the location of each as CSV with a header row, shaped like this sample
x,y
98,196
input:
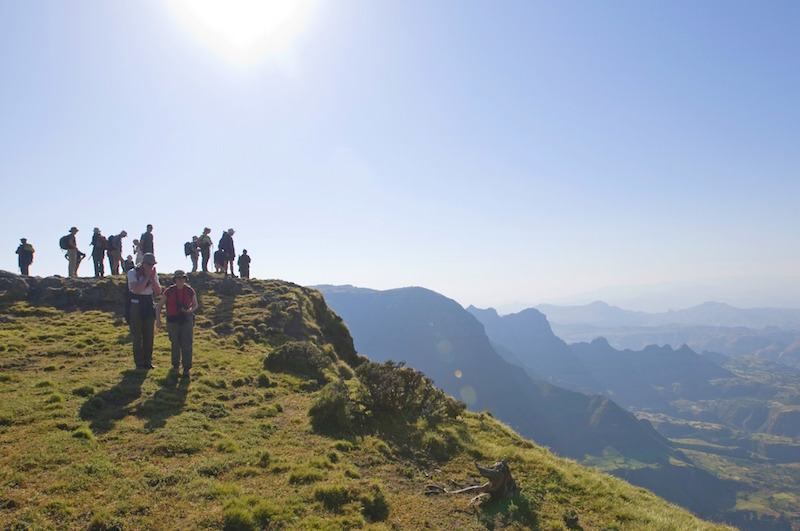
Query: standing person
x,y
181,302
115,252
137,251
195,252
244,265
128,264
146,240
205,247
98,244
219,259
143,285
25,252
226,246
69,244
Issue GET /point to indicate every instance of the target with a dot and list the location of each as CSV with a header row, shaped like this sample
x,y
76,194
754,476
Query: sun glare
x,y
243,31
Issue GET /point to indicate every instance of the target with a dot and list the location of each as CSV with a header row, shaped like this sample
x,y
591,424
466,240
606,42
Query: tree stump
x,y
500,485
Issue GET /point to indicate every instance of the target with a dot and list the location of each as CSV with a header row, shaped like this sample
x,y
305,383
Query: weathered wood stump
x,y
500,485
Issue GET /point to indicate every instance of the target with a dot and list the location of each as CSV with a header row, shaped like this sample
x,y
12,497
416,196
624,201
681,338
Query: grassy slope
x,y
88,442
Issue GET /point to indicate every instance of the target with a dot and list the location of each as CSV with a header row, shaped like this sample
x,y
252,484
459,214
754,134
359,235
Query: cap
x,y
231,231
179,273
149,258
123,234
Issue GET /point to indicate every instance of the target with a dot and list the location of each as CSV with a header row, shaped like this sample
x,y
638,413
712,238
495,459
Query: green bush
x,y
299,357
263,514
332,410
333,497
374,504
84,390
393,391
238,519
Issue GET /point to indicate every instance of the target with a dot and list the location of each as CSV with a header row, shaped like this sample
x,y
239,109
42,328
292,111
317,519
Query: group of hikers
x,y
178,301
111,246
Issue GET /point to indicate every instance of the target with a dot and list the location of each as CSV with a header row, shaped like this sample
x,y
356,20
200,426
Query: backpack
x,y
110,243
64,242
187,248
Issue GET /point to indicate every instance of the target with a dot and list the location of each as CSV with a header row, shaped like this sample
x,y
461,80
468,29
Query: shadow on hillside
x,y
106,407
166,402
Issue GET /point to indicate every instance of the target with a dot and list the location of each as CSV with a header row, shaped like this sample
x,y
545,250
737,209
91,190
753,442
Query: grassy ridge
x,y
90,443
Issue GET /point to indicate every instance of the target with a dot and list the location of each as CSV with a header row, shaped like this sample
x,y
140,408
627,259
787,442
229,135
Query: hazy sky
x,y
490,151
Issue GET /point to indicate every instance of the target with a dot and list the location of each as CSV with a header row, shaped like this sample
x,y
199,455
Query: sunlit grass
x,y
88,442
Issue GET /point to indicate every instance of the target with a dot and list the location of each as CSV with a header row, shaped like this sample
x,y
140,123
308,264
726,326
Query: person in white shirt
x,y
142,286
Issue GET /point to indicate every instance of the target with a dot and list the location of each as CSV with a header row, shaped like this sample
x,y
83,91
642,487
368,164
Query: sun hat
x,y
149,258
179,273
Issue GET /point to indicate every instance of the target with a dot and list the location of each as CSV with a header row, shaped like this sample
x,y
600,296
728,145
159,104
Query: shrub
x,y
299,357
264,381
238,519
305,474
103,521
333,497
84,390
332,410
263,514
441,446
374,504
83,433
393,391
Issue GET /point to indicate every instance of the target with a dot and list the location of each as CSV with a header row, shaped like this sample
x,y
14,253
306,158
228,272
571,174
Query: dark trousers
x,y
181,336
99,270
23,268
142,325
206,252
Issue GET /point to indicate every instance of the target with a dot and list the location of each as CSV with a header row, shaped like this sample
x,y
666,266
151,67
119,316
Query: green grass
x,y
89,443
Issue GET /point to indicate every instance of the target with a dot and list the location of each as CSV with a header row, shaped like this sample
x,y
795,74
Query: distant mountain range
x,y
601,314
437,336
770,333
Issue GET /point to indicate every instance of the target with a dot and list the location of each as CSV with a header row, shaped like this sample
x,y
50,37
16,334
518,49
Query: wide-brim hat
x,y
179,273
231,231
149,258
73,229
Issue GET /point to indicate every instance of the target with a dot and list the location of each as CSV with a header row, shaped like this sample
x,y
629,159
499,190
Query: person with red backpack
x,y
181,303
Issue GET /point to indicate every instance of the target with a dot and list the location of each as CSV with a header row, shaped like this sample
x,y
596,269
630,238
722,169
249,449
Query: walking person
x,y
229,253
114,245
205,247
181,303
143,285
244,265
98,244
25,252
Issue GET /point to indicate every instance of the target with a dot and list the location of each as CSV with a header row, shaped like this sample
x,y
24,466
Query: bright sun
x,y
243,31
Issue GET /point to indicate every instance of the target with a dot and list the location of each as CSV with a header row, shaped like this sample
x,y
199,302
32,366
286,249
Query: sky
x,y
499,153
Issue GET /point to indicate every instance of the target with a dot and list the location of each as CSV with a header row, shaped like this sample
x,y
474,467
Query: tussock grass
x,y
90,443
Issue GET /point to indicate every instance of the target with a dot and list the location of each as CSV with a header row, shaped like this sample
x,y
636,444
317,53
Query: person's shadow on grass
x,y
103,409
167,402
